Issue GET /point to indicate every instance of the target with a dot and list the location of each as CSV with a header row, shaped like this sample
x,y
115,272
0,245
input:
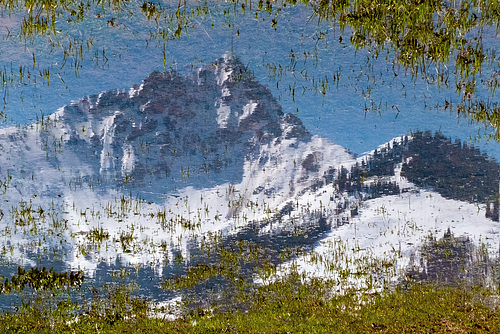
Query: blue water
x,y
344,114
339,115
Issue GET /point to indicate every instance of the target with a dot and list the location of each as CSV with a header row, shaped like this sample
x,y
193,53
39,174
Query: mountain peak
x,y
211,120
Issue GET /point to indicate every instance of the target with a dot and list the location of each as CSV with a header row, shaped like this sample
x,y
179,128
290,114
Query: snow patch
x,y
128,160
223,115
107,140
133,92
248,109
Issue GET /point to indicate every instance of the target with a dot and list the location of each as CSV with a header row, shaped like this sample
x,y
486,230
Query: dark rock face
x,y
293,127
178,127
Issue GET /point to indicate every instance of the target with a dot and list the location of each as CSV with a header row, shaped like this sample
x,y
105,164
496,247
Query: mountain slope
x,y
134,176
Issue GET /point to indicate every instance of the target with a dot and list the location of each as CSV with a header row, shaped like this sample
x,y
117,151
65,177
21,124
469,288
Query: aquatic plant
x,y
42,280
439,41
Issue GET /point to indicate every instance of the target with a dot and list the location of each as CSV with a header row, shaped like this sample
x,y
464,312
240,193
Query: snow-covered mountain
x,y
130,176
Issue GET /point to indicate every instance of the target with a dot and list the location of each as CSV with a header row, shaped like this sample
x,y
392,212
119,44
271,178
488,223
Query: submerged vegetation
x,y
290,303
293,307
250,279
446,43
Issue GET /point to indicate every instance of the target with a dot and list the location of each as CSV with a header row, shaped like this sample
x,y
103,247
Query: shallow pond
x,y
248,139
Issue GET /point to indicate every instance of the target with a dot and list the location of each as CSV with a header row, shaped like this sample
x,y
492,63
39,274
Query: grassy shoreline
x,y
290,301
288,307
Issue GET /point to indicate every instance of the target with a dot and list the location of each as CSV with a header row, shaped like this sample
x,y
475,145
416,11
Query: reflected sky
x,y
370,104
